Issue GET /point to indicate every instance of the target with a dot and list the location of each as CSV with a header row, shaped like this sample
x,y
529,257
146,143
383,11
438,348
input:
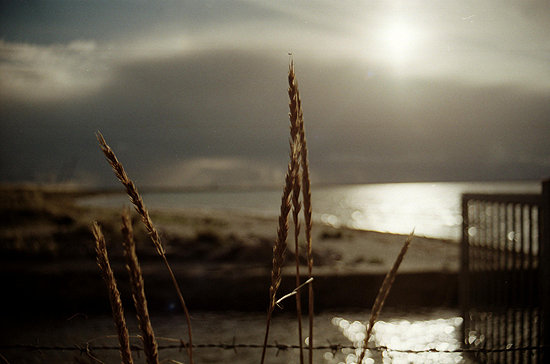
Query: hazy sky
x,y
195,92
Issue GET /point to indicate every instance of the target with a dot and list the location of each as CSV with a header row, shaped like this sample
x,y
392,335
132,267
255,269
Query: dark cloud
x,y
217,105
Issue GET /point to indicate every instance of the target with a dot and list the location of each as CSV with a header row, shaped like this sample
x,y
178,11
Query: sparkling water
x,y
398,332
431,209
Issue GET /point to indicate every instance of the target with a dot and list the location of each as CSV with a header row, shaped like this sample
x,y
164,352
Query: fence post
x,y
464,297
544,271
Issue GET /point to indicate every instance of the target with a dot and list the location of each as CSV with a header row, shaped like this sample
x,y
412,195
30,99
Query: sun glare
x,y
395,42
398,40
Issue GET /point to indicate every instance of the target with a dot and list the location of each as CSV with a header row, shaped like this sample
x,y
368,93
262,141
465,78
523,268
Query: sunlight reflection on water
x,y
421,330
431,209
403,335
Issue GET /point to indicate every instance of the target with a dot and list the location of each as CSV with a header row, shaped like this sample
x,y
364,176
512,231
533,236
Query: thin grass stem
x,y
306,197
296,204
383,294
150,347
137,201
114,295
279,248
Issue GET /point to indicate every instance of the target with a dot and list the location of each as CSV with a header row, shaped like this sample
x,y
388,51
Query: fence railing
x,y
505,275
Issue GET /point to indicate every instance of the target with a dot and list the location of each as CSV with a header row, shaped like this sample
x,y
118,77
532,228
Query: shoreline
x,y
266,203
215,255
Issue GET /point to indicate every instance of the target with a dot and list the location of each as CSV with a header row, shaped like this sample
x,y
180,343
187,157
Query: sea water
x,y
431,209
431,336
402,337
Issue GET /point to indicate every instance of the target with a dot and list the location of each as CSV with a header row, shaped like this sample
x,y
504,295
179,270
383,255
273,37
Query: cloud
x,y
489,43
218,172
232,106
51,72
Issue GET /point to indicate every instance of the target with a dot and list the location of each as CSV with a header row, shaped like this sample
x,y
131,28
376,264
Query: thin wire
x,y
281,347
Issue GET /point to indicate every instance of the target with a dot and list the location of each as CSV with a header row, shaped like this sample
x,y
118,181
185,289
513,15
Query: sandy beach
x,y
48,250
336,249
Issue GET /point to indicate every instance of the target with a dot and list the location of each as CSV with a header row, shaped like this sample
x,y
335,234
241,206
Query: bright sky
x,y
194,92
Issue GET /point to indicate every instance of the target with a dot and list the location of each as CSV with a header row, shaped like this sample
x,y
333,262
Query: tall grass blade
x,y
279,249
137,201
383,294
114,294
306,196
279,252
132,192
296,204
150,346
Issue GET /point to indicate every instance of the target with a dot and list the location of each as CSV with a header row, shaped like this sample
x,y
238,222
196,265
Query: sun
x,y
398,40
394,42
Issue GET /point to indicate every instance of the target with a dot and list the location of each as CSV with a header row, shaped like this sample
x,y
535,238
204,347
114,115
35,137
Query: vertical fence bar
x,y
518,274
507,277
515,283
495,287
531,283
540,290
484,276
544,271
522,286
465,274
502,283
531,307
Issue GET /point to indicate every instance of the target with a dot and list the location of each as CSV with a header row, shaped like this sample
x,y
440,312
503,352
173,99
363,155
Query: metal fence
x,y
505,276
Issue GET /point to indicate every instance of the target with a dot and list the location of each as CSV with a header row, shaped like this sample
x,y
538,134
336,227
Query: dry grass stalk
x,y
279,252
293,292
137,201
296,204
131,191
279,249
114,294
150,347
306,195
383,294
